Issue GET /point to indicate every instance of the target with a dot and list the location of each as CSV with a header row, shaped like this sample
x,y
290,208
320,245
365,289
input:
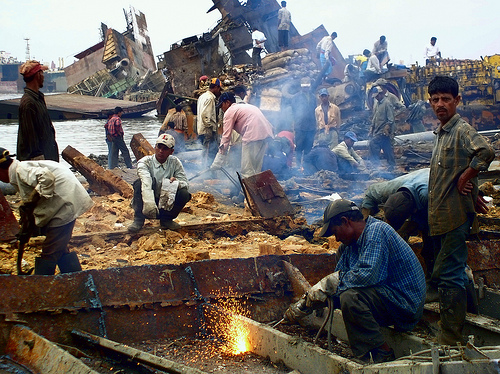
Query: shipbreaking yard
x,y
210,297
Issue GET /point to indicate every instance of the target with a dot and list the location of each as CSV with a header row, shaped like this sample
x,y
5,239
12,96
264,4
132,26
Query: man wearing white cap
x,y
162,188
36,137
378,281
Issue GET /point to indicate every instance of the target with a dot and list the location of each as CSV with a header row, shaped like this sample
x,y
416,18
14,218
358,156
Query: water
x,y
86,135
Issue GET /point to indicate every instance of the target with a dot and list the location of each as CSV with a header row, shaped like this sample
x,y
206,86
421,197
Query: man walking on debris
x,y
327,119
378,281
36,137
284,21
258,38
255,130
53,198
324,51
162,188
116,133
382,129
459,154
206,120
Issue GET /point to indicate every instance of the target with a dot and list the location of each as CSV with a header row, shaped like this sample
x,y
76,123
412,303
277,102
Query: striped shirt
x,y
380,257
456,147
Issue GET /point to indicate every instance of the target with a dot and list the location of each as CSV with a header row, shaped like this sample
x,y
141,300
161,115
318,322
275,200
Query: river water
x,y
86,135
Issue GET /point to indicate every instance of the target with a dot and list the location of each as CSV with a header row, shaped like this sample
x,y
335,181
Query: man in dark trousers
x,y
55,198
116,133
459,154
378,281
36,137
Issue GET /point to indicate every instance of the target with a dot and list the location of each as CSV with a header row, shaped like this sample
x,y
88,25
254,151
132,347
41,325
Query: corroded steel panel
x,y
137,285
267,195
44,293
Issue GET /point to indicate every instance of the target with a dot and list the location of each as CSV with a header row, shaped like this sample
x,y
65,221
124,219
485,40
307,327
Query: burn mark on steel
x,y
29,343
164,274
95,302
199,308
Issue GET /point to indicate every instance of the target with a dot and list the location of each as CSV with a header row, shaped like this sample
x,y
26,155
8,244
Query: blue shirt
x,y
381,258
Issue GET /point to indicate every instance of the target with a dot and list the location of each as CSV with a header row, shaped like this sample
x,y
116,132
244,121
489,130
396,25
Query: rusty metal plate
x,y
45,293
9,227
137,285
267,195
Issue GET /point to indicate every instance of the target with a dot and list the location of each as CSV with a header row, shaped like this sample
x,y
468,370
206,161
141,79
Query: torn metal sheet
x,y
267,195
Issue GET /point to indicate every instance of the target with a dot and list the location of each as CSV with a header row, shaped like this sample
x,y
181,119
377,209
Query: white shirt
x,y
431,51
325,46
63,196
206,119
374,64
258,39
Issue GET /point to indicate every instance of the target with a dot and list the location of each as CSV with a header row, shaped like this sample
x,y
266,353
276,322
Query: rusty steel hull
x,y
147,302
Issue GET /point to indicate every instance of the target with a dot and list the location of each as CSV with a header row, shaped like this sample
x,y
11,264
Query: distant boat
x,y
69,106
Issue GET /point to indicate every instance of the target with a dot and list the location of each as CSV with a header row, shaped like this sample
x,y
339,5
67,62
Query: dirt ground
x,y
113,213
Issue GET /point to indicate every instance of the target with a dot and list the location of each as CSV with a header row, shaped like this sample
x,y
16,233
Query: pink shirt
x,y
248,121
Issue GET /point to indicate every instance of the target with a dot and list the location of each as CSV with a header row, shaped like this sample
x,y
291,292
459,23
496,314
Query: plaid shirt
x,y
456,147
381,258
114,126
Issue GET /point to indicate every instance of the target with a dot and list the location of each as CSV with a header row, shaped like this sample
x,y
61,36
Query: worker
x,y
380,50
240,94
324,50
373,68
432,52
378,281
382,129
162,188
404,198
328,119
255,130
55,198
258,39
36,137
347,158
320,158
284,21
180,143
115,131
304,121
458,155
207,121
203,82
393,99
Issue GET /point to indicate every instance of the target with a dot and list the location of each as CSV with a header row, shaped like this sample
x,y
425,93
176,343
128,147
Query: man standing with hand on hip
x,y
459,154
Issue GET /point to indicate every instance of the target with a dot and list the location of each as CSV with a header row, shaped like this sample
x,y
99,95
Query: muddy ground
x,y
234,236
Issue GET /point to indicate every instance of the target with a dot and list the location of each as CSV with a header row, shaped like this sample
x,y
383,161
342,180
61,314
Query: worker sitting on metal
x,y
378,281
162,188
52,199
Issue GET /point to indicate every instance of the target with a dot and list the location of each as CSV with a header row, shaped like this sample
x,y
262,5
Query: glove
x,y
150,210
318,293
297,311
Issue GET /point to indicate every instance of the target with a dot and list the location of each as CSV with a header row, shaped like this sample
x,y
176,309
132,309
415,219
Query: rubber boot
x,y
472,298
44,266
69,263
452,309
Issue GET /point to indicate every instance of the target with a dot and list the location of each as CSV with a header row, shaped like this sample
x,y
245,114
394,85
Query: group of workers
x,y
378,280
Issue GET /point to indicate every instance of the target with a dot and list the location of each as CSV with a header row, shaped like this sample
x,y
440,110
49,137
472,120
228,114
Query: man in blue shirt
x,y
378,281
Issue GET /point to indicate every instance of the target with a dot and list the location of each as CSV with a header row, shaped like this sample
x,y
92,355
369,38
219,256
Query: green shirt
x,y
456,147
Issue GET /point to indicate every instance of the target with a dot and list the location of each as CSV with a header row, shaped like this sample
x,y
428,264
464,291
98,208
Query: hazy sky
x,y
62,28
